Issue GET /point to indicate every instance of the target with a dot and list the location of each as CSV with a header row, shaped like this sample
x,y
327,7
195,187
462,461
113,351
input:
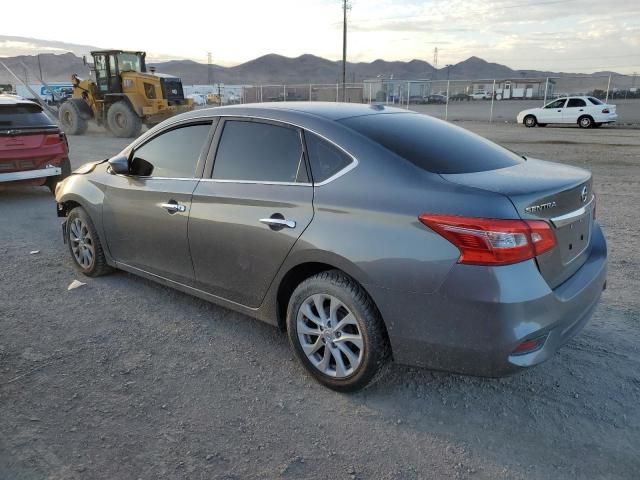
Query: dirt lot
x,y
126,379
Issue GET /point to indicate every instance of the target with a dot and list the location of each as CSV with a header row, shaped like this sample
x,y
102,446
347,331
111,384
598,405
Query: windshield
x,y
23,115
129,62
595,101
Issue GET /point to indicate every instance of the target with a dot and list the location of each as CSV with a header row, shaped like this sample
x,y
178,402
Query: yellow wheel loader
x,y
123,97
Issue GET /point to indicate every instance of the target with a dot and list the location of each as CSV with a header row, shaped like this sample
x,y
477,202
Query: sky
x,y
580,36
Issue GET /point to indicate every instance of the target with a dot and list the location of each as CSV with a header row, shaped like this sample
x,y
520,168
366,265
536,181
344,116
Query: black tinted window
x,y
175,153
25,115
595,101
432,144
259,152
576,102
325,159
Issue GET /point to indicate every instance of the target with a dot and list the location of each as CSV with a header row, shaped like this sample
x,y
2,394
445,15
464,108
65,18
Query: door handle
x,y
172,207
581,110
278,222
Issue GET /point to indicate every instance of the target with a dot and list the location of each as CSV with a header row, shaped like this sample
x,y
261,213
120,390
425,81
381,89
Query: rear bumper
x,y
606,118
473,323
30,174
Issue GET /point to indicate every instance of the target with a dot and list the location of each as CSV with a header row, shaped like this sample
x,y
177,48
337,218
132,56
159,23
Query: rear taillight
x,y
488,241
53,139
529,346
605,110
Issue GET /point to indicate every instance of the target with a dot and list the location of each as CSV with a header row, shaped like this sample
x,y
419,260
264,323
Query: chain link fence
x,y
490,100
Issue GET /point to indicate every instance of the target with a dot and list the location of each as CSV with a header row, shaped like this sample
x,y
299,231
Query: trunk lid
x,y
559,194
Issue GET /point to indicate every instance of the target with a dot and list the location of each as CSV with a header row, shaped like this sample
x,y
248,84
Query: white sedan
x,y
585,111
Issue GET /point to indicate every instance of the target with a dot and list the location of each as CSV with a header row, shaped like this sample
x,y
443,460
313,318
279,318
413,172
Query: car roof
x,y
327,110
576,96
6,99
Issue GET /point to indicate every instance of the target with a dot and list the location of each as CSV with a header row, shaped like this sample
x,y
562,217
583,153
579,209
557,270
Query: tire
x,y
73,121
51,182
585,121
122,121
530,121
337,362
82,237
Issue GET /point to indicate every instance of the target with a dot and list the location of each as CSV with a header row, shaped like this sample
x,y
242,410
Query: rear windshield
x,y
595,101
25,115
433,145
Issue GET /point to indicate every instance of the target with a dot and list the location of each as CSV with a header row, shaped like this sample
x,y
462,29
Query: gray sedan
x,y
367,233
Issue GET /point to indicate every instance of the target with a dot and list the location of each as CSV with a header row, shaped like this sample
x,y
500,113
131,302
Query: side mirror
x,y
119,165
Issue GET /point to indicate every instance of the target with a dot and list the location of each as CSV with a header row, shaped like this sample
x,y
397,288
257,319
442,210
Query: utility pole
x,y
40,68
435,62
345,7
209,69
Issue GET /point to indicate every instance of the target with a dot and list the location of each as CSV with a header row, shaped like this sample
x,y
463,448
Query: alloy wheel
x,y
330,336
82,245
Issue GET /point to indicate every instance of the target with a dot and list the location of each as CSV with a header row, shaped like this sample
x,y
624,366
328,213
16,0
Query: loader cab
x,y
109,64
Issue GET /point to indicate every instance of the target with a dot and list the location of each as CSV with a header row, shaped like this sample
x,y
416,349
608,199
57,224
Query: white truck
x,y
52,93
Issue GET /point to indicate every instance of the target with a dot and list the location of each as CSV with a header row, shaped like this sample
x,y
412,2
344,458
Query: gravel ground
x,y
126,379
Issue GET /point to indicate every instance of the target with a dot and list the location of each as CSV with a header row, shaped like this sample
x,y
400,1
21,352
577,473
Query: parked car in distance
x,y
437,98
481,95
459,97
585,111
366,232
418,99
33,150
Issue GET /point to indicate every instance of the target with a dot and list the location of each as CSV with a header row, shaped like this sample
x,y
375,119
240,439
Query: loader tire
x,y
72,119
122,121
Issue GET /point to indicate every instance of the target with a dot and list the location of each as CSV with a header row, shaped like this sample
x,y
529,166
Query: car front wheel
x,y
530,121
337,332
84,244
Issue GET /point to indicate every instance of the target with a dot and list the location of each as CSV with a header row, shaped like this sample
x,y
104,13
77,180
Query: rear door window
x,y
23,116
433,145
325,159
260,152
576,102
172,154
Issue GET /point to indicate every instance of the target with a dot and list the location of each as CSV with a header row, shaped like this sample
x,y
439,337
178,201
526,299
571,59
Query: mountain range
x,y
267,69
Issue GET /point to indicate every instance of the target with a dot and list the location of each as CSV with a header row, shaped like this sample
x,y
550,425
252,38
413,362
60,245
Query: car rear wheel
x,y
337,332
585,122
51,182
84,244
530,121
